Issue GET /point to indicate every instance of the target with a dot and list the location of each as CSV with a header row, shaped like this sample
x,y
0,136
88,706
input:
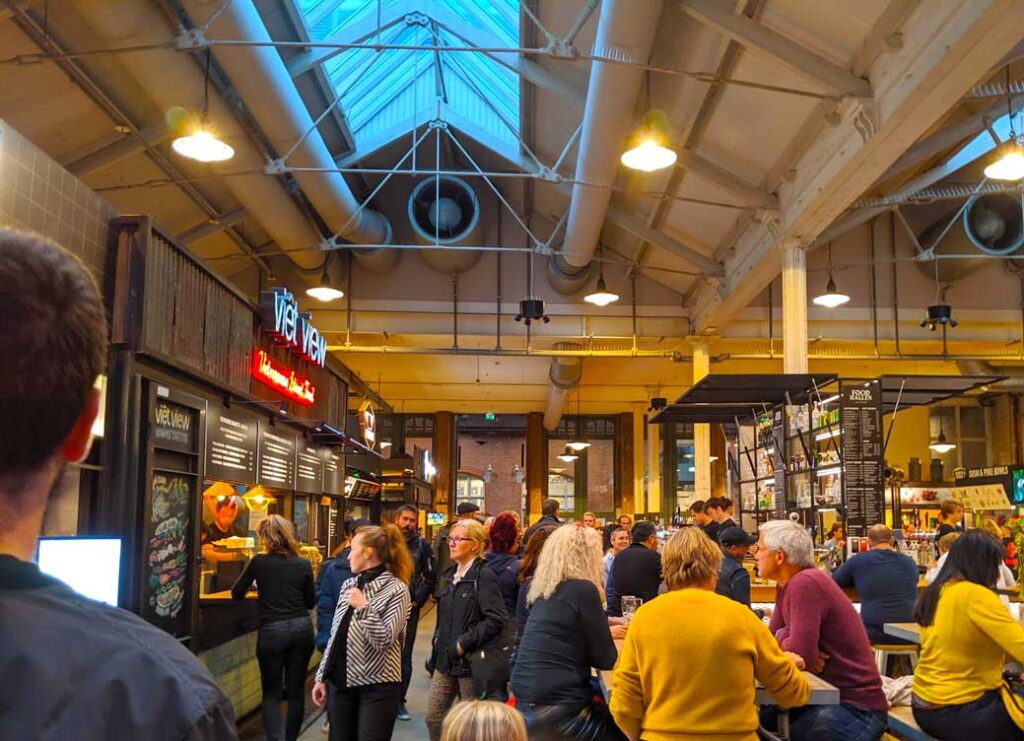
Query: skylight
x,y
384,94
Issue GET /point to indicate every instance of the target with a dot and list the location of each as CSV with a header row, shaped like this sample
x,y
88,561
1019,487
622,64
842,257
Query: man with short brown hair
x,y
71,667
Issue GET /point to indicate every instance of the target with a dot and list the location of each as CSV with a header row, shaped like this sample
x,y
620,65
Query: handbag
x,y
490,664
1011,691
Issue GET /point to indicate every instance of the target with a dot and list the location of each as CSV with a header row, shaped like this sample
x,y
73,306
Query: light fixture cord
x,y
830,277
1009,105
206,88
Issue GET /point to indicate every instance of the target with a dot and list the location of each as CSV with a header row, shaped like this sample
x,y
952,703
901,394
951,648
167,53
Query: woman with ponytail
x,y
360,675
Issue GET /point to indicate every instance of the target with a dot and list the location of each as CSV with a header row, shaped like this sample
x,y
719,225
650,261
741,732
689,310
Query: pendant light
x,y
202,144
1010,165
941,445
578,444
831,298
325,291
568,456
647,148
601,296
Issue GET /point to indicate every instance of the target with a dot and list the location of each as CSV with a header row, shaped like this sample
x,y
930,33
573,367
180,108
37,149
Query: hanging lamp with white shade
x,y
601,296
202,143
1010,165
831,298
647,148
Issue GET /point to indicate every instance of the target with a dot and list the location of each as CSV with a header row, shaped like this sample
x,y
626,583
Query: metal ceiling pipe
x,y
625,31
565,375
264,83
171,82
1015,375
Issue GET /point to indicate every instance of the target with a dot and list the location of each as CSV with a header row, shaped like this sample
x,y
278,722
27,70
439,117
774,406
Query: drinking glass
x,y
629,606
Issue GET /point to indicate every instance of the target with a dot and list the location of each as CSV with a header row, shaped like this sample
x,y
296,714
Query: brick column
x,y
625,501
445,455
536,465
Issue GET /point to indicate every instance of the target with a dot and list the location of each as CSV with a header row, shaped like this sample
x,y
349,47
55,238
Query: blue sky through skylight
x,y
385,93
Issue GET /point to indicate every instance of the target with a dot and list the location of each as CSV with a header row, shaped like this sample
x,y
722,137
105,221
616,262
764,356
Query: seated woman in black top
x,y
566,636
284,582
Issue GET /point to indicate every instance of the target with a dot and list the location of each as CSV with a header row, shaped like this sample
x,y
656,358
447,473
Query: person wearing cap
x,y
733,579
886,581
442,558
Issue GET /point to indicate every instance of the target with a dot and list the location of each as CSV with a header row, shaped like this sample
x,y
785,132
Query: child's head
x,y
483,720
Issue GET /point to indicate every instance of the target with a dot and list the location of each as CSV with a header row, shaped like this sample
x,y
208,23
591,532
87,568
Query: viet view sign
x,y
290,327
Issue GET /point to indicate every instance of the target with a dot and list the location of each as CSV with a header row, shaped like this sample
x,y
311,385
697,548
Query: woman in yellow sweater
x,y
966,637
674,682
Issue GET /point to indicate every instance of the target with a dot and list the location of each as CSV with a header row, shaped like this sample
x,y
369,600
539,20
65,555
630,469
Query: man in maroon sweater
x,y
815,620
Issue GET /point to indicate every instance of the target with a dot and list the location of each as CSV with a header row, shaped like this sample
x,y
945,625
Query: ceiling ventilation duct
x,y
991,224
445,210
565,375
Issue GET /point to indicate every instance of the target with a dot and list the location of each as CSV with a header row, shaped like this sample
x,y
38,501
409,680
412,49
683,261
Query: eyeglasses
x,y
456,541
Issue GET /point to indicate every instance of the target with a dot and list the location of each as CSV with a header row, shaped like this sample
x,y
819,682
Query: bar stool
x,y
884,650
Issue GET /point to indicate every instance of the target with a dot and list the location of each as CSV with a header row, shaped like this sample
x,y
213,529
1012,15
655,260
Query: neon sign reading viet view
x,y
288,326
281,379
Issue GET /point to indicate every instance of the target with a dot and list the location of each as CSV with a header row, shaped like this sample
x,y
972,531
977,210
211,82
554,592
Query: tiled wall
x,y
36,193
233,665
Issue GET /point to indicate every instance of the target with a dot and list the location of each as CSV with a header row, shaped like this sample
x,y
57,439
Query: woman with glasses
x,y
470,614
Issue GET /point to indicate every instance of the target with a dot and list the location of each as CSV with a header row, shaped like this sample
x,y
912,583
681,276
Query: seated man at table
x,y
815,620
733,579
886,582
636,572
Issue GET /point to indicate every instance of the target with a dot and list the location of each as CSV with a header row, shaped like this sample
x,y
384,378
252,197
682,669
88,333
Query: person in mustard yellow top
x,y
673,682
966,637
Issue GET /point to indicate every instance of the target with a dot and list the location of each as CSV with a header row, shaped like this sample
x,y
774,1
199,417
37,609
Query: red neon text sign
x,y
283,380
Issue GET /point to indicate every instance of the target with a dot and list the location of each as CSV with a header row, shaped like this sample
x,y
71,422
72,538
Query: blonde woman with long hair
x,y
483,720
284,644
565,638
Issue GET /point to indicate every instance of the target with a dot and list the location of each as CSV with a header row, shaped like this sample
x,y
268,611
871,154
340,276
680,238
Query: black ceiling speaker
x,y
530,310
939,315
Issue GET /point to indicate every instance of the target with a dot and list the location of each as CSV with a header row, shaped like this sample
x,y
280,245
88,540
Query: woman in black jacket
x,y
284,644
470,614
503,557
566,637
360,674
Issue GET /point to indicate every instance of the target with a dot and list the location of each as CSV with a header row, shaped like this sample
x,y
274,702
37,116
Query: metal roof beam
x,y
758,37
947,47
123,146
212,226
355,33
750,195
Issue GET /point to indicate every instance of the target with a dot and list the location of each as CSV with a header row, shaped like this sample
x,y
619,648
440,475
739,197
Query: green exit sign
x,y
489,416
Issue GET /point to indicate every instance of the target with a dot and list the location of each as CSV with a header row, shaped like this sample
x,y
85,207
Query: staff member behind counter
x,y
225,510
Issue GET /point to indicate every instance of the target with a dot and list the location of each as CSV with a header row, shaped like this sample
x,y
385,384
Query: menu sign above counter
x,y
277,457
863,475
309,470
334,474
230,446
174,426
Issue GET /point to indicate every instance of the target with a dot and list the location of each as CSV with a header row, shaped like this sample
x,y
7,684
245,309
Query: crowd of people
x,y
523,616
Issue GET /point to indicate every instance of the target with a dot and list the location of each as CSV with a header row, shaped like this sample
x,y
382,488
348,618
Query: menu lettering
x,y
863,475
277,457
230,446
309,470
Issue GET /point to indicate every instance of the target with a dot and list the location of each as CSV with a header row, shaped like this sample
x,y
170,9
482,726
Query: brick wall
x,y
503,492
37,194
600,476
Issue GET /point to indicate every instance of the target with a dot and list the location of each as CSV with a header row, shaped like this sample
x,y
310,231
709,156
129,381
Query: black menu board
x,y
860,410
165,592
309,470
174,426
277,456
230,446
779,461
334,473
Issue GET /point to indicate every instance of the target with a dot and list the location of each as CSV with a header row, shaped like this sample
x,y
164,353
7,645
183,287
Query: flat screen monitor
x,y
90,566
1018,486
435,518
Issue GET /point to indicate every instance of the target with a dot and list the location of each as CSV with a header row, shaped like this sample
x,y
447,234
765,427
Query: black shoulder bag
x,y
490,664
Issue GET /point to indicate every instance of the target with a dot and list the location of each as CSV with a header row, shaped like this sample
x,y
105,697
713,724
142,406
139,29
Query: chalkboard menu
x,y
230,446
277,456
779,461
174,427
309,470
334,473
167,534
860,410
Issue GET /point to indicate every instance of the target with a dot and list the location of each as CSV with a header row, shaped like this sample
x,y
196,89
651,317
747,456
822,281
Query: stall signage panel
x,y
989,472
282,379
309,470
368,424
230,446
168,532
863,470
174,427
334,475
779,461
290,327
277,457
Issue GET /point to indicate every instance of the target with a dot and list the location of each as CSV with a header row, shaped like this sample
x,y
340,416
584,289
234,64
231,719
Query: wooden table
x,y
906,631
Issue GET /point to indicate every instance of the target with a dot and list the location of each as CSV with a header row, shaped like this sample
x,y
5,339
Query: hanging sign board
x,y
309,470
283,380
860,412
368,424
230,446
277,457
990,497
290,327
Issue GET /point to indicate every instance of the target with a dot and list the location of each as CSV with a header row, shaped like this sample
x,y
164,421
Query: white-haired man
x,y
816,621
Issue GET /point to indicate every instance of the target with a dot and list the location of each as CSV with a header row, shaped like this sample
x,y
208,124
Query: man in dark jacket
x,y
333,573
549,516
733,579
421,587
442,558
636,572
71,667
